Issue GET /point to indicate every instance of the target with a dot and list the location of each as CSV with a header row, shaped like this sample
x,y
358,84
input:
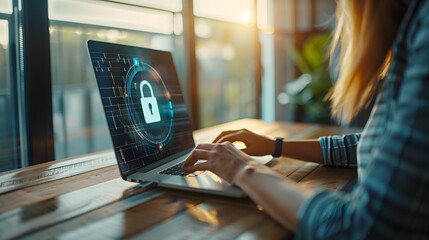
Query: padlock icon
x,y
149,103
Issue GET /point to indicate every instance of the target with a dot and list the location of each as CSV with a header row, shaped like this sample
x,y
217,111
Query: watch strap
x,y
278,147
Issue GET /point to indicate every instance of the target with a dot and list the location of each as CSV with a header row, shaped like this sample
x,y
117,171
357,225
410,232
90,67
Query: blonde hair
x,y
364,35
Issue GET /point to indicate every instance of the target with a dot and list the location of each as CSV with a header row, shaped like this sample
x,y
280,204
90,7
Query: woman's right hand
x,y
256,145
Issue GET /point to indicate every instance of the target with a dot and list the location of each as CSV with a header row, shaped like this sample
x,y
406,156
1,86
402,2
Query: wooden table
x,y
84,197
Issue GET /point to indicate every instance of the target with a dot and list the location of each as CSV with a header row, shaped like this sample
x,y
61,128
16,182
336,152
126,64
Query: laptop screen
x,y
143,103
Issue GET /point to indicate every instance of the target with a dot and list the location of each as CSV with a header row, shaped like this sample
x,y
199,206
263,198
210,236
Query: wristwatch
x,y
278,148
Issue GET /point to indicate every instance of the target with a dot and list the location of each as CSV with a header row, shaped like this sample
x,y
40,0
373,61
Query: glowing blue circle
x,y
135,69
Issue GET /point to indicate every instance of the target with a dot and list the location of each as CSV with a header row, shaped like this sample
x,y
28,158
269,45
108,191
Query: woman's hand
x,y
222,159
256,145
280,197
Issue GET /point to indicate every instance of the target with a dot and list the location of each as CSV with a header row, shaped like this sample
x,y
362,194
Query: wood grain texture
x,y
52,189
90,201
50,211
51,171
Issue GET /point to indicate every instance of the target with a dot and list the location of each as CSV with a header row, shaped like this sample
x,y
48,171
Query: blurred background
x,y
235,58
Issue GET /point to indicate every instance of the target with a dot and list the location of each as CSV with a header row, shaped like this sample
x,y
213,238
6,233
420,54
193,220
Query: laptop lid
x,y
143,103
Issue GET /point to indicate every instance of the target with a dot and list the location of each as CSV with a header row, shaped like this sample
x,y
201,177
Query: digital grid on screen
x,y
133,150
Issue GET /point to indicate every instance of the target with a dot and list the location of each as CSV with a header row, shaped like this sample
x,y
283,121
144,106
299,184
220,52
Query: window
x,y
79,123
9,130
226,56
6,6
226,79
231,43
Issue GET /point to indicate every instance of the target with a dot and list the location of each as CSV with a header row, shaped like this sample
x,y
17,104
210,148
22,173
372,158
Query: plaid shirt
x,y
391,198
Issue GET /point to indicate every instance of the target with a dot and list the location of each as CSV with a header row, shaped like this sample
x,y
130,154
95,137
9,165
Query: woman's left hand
x,y
222,159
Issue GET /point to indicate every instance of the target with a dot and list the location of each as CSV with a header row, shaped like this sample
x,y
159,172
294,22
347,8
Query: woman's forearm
x,y
306,150
258,145
278,196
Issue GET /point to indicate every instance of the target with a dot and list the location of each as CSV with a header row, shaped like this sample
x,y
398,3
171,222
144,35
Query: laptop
x,y
148,119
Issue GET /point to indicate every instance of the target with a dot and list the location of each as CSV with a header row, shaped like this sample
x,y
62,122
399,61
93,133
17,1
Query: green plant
x,y
309,90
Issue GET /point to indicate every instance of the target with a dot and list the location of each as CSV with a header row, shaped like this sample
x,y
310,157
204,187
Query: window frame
x,y
35,79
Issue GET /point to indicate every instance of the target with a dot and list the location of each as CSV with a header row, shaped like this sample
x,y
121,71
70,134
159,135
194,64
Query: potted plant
x,y
308,92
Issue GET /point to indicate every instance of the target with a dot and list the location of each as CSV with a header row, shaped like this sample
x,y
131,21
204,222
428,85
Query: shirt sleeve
x,y
340,151
391,200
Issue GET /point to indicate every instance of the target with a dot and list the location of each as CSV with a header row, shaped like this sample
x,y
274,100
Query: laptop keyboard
x,y
174,170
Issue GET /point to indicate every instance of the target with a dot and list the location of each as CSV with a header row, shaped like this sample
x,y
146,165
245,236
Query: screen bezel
x,y
119,48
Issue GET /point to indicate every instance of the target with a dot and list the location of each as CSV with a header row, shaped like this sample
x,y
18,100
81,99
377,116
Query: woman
x,y
385,43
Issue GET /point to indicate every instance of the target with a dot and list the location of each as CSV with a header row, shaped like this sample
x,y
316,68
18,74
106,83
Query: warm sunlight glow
x,y
214,177
238,11
239,145
203,28
246,17
203,213
111,15
265,20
